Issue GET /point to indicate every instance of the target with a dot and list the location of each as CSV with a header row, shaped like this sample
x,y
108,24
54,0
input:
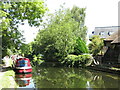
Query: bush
x,y
80,47
78,61
96,45
37,60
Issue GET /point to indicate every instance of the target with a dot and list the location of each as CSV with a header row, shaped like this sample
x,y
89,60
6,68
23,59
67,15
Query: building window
x,y
110,33
101,33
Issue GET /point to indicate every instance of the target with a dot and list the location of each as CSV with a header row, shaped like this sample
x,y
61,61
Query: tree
x,y
15,13
79,15
96,45
58,38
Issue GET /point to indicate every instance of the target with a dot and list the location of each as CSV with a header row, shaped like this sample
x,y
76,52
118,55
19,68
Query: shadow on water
x,y
51,77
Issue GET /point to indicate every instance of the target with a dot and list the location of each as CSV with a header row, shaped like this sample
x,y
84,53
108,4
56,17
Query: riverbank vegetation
x,y
12,15
62,34
7,80
96,45
78,61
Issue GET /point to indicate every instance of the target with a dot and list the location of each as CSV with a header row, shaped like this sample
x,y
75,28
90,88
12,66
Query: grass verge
x,y
7,80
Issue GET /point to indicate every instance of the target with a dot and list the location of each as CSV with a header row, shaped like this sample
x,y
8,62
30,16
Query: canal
x,y
62,77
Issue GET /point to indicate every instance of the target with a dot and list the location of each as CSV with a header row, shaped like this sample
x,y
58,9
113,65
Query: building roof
x,y
104,32
115,37
112,37
109,27
117,40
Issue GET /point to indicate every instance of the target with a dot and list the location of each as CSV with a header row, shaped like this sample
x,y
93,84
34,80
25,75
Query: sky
x,y
99,13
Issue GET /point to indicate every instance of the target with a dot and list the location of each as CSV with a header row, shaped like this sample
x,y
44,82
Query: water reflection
x,y
24,80
73,78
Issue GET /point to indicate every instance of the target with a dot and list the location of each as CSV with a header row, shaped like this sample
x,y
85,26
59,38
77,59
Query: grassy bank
x,y
7,79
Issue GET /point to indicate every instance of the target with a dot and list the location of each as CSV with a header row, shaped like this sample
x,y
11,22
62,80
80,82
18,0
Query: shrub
x,y
77,61
37,60
96,45
80,47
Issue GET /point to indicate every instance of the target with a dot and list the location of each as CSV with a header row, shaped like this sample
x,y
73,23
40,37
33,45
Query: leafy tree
x,y
96,45
25,49
79,15
15,13
58,38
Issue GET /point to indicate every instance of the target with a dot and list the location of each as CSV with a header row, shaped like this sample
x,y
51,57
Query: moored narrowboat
x,y
23,65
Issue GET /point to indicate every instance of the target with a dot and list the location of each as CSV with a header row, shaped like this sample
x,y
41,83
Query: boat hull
x,y
23,70
23,66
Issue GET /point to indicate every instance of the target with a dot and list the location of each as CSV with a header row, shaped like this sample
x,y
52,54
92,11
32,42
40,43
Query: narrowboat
x,y
23,66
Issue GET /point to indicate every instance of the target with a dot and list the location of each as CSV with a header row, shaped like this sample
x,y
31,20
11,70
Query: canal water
x,y
52,77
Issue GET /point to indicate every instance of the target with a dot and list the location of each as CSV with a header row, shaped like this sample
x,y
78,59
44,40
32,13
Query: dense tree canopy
x,y
58,38
15,13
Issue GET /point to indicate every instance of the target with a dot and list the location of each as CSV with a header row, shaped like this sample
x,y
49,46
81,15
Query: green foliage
x,y
15,13
25,49
77,61
37,59
20,11
58,38
7,81
80,47
78,14
96,45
